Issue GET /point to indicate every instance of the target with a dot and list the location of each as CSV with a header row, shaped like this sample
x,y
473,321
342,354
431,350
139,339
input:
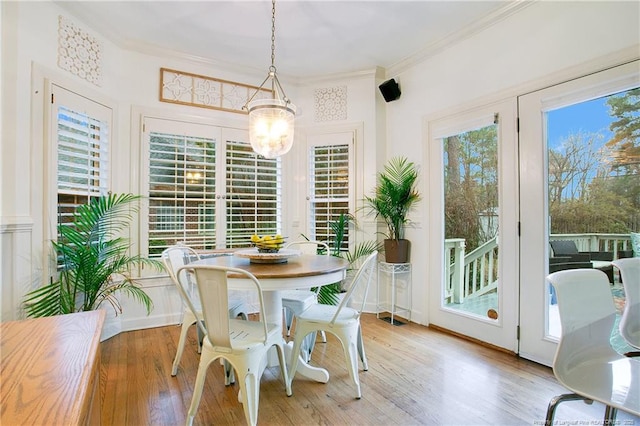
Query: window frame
x,y
225,138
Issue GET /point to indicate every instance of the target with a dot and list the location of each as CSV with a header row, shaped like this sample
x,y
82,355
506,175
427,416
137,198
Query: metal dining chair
x,y
296,301
174,258
342,321
243,344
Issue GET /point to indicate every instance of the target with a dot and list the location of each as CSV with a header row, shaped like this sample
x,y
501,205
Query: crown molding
x,y
510,8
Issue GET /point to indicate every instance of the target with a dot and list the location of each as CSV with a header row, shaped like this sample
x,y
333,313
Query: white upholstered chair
x,y
173,259
296,301
630,321
243,344
585,362
342,321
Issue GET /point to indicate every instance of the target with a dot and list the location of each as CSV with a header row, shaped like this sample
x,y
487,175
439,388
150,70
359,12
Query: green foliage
x,y
94,259
395,195
328,294
471,186
626,139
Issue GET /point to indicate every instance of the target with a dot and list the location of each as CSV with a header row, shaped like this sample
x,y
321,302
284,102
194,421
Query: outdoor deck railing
x,y
597,242
474,274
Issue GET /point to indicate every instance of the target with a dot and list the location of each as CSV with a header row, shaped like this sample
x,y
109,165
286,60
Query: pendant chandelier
x,y
271,119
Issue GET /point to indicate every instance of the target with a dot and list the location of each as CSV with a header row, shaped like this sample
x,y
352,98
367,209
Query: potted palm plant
x,y
93,261
395,196
330,294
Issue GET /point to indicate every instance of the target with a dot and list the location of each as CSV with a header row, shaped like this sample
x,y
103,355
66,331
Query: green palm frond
x,y
92,255
395,195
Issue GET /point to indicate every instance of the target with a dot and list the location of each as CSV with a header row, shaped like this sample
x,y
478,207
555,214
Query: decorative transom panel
x,y
178,87
78,52
331,103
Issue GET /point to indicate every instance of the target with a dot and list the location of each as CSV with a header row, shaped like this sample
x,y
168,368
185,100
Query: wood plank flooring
x,y
417,376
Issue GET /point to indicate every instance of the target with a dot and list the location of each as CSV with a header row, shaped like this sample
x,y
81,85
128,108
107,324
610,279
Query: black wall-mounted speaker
x,y
390,90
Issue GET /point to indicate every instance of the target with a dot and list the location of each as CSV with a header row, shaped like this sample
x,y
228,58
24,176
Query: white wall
x,y
130,84
542,44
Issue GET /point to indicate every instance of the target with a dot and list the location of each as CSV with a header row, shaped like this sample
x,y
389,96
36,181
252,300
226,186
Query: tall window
x,y
203,192
182,183
82,150
330,188
254,193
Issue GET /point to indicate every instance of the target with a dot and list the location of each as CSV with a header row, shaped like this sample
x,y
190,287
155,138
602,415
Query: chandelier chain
x,y
273,35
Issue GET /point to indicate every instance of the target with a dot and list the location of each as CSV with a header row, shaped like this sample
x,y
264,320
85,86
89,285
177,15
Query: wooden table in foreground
x,y
50,371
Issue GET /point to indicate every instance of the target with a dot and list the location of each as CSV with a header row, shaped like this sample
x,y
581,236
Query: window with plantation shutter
x,y
330,183
254,193
206,187
82,129
181,188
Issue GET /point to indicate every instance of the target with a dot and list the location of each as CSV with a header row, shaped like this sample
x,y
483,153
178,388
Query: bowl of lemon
x,y
267,243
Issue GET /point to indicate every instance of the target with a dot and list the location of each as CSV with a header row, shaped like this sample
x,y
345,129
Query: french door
x,y
473,223
542,114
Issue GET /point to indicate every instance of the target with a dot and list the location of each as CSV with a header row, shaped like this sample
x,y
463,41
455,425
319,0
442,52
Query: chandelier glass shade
x,y
271,126
271,119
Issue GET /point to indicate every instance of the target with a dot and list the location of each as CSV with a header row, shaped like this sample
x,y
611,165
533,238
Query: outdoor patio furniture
x,y
599,259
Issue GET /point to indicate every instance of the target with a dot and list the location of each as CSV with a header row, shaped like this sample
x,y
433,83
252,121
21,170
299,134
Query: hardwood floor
x,y
417,376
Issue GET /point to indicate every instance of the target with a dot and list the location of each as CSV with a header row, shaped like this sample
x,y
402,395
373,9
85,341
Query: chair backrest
x,y
360,283
562,247
309,246
212,284
174,258
630,321
587,315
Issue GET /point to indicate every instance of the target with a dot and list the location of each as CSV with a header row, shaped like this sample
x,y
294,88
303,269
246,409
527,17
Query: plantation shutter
x,y
181,185
330,188
82,150
253,194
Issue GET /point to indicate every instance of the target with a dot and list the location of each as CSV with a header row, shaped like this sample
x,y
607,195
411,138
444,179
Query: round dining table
x,y
302,271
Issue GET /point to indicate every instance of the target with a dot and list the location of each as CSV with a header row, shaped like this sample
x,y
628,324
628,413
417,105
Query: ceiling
x,y
313,37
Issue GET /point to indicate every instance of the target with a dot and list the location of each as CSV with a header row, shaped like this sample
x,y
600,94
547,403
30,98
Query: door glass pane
x,y
593,188
471,222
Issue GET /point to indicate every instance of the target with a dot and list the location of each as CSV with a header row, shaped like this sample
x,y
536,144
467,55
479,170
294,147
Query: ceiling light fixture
x,y
271,119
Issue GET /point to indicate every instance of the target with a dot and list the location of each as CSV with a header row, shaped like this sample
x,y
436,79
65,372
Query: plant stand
x,y
394,292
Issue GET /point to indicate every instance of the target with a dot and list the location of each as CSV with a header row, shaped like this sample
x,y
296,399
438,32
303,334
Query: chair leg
x,y
229,374
200,338
307,346
363,356
283,368
349,339
250,396
181,343
295,354
288,320
610,415
556,400
323,336
198,387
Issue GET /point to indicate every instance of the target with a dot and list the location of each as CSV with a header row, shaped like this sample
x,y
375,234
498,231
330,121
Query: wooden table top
x,y
48,368
297,267
304,265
